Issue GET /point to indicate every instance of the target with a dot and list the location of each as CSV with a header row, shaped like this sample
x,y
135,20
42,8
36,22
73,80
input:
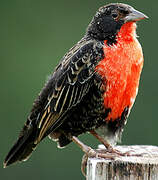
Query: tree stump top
x,y
142,164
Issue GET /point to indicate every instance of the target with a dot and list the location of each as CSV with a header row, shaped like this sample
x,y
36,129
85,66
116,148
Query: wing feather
x,y
71,81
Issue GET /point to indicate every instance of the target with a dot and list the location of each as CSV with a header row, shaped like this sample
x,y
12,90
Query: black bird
x,y
79,96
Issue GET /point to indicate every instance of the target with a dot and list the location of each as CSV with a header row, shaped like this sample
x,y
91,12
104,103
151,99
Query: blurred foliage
x,y
34,35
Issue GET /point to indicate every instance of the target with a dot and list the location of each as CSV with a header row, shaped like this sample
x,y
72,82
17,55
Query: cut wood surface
x,y
142,164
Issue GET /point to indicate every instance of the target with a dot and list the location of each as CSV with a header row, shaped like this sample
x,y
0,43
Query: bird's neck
x,y
127,32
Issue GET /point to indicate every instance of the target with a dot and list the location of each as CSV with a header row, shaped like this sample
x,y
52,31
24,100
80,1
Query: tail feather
x,y
23,147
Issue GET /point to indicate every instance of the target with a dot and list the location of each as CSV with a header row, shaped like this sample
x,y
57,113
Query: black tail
x,y
23,148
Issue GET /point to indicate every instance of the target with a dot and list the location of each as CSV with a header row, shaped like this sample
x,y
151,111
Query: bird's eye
x,y
114,15
123,11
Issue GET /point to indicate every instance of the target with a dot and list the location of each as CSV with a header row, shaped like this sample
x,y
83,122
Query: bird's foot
x,y
115,151
110,149
119,153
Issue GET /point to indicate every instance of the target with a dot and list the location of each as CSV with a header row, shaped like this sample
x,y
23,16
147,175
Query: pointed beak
x,y
135,15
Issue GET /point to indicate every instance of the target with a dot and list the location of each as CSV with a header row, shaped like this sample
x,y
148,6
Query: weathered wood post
x,y
142,164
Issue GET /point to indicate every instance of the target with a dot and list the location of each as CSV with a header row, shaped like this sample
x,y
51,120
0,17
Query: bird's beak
x,y
135,15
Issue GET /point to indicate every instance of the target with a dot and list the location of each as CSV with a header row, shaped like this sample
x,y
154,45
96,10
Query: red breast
x,y
121,68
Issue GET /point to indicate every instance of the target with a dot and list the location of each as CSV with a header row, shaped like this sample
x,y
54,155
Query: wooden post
x,y
142,164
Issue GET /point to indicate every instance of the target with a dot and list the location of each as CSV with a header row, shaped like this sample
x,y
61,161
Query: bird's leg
x,y
103,141
87,149
110,148
89,152
107,145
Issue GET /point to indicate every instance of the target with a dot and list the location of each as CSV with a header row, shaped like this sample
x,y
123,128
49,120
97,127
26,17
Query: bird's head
x,y
109,19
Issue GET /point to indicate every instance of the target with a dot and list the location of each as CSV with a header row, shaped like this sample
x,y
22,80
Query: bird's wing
x,y
66,87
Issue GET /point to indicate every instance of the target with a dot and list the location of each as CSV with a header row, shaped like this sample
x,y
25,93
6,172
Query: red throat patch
x,y
121,68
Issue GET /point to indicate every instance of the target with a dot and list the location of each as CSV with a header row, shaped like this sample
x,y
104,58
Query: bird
x,y
91,90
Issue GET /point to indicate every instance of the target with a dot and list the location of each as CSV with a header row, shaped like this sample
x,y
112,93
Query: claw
x,y
128,153
84,164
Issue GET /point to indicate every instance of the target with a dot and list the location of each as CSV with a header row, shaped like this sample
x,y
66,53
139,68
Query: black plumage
x,y
63,108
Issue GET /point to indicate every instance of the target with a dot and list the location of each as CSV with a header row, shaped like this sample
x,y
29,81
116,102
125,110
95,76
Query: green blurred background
x,y
34,35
